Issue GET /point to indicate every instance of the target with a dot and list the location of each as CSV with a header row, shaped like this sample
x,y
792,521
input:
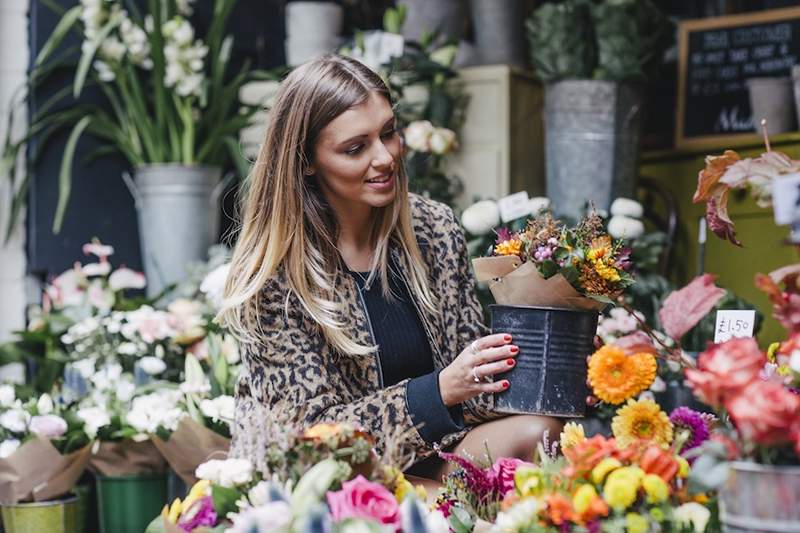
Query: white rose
x,y
15,420
418,134
622,227
625,207
125,390
214,284
538,204
226,473
93,418
7,447
49,426
7,395
152,366
44,405
442,141
219,409
481,217
693,514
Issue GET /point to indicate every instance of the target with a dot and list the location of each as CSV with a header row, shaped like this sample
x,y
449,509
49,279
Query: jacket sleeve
x,y
292,374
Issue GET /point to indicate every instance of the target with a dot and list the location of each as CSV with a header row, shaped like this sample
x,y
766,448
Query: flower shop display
x,y
592,57
169,105
549,281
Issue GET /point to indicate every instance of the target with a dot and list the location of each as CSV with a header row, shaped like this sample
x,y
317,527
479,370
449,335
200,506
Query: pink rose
x,y
49,426
725,369
360,498
764,412
503,471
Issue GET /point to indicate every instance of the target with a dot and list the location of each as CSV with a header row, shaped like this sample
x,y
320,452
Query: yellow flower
x,y
641,420
683,467
607,272
571,435
199,490
619,493
529,481
701,498
402,489
656,488
602,469
635,523
616,376
583,498
509,247
657,513
322,431
172,512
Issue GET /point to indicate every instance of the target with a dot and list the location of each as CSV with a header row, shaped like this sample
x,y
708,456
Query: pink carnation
x,y
764,412
725,369
360,498
503,471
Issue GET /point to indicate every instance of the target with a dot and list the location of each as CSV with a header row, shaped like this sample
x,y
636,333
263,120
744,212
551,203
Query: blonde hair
x,y
287,226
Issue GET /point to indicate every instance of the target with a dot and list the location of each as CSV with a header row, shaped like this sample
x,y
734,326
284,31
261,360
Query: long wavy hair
x,y
288,228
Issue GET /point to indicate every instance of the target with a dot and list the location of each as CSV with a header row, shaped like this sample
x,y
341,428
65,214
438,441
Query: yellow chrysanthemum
x,y
509,247
583,498
603,468
641,420
571,435
683,467
656,488
619,493
607,272
529,480
616,376
636,523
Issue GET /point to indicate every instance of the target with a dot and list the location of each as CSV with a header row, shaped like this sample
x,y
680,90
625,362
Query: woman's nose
x,y
382,157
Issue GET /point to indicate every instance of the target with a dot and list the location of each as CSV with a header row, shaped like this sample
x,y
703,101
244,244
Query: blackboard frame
x,y
728,21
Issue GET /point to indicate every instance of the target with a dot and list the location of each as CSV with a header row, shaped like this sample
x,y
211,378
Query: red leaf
x,y
684,308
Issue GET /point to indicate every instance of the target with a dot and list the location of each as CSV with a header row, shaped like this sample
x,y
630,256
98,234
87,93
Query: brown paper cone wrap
x,y
516,282
126,457
37,471
189,446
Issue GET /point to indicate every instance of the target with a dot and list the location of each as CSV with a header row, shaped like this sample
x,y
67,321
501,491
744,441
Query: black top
x,y
404,352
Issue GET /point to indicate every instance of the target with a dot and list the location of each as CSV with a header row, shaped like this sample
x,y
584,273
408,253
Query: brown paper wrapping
x,y
189,446
126,457
516,282
37,471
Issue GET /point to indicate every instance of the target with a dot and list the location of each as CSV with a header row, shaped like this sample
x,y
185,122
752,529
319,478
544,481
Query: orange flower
x,y
509,247
616,377
641,420
559,509
708,178
585,455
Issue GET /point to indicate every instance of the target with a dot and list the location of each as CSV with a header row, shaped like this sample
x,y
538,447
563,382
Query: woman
x,y
353,298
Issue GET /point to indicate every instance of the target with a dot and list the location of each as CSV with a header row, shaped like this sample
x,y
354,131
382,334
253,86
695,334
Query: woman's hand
x,y
465,377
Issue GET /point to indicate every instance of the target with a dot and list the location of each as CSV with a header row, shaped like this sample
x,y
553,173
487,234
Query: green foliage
x,y
560,37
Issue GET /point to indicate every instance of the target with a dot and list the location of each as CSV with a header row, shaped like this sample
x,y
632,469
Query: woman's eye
x,y
389,133
354,150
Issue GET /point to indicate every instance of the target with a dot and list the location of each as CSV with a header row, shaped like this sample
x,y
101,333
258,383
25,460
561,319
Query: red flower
x,y
503,471
725,369
764,412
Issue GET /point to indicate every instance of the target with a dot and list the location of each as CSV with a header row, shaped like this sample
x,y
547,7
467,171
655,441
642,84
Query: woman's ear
x,y
309,171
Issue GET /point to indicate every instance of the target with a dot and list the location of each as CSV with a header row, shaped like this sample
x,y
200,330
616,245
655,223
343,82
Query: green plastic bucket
x,y
56,516
127,504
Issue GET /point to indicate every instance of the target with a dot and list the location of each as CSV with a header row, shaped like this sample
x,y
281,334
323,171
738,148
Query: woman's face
x,y
357,154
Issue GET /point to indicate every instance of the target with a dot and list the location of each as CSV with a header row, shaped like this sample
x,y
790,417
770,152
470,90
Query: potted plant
x,y
169,106
591,55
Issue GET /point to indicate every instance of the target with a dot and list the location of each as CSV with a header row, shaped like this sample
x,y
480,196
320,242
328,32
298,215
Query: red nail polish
x,y
506,384
510,362
507,338
513,349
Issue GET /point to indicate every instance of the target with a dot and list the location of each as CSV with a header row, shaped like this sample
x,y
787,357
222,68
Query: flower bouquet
x,y
549,281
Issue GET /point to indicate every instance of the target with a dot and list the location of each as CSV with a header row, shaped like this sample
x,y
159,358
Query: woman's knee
x,y
527,431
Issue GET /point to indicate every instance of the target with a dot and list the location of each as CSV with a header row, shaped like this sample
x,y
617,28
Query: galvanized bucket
x,y
760,498
178,213
591,143
550,375
56,516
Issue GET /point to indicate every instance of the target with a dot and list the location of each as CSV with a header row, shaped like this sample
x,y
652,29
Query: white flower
x,y
184,7
12,373
195,380
7,447
127,348
7,395
68,288
226,473
190,84
85,367
230,349
15,420
107,377
794,361
99,297
125,390
517,517
268,518
219,409
93,418
379,47
692,514
125,278
155,410
148,324
136,43
179,31
50,426
435,522
214,284
625,207
481,217
96,269
259,494
538,204
658,385
152,366
418,134
442,141
97,248
44,405
112,49
622,227
104,71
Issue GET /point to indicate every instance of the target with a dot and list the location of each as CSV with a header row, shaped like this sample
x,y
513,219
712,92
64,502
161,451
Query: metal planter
x,y
760,498
56,516
592,131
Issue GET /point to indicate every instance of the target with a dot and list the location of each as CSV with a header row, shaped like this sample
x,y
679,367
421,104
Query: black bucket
x,y
550,375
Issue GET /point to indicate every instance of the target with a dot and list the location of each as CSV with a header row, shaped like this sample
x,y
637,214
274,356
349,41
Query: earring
x,y
308,172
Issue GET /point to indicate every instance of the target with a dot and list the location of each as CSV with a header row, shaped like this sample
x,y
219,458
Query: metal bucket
x,y
550,375
127,504
56,516
591,143
760,498
178,215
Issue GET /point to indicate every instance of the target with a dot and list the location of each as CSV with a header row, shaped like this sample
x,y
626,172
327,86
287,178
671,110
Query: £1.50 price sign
x,y
737,323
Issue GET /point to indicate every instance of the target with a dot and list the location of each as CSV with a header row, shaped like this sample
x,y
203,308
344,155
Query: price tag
x,y
730,324
514,206
786,199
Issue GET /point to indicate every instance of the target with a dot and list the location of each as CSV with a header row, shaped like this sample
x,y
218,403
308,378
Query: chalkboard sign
x,y
717,56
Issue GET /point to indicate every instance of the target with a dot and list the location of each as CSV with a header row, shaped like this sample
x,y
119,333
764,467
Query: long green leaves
x,y
59,32
88,54
65,174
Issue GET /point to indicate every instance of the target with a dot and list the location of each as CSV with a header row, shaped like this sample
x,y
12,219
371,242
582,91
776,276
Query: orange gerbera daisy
x,y
615,376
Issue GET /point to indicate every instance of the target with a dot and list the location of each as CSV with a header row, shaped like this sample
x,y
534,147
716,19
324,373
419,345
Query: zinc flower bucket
x,y
127,504
760,497
55,516
549,377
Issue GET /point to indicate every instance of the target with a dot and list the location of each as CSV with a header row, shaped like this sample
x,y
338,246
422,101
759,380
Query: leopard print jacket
x,y
296,377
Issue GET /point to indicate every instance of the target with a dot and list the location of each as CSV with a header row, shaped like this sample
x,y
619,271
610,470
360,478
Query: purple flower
x,y
200,514
503,234
624,259
690,420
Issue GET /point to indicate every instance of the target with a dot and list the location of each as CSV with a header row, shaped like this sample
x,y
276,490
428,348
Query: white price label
x,y
786,199
732,324
514,206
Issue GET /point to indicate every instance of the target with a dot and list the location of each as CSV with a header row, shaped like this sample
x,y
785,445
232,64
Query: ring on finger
x,y
475,377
